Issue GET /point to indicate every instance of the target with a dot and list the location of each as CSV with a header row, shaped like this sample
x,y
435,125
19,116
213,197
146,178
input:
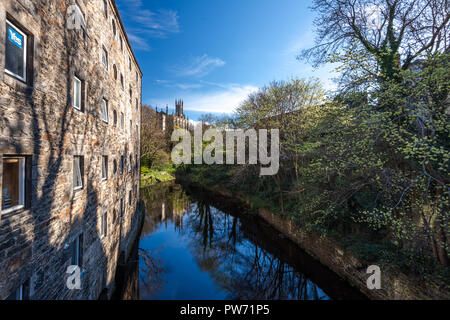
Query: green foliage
x,y
372,165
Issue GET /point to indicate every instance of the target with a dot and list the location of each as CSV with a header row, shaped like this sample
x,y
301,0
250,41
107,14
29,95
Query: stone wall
x,y
395,285
38,120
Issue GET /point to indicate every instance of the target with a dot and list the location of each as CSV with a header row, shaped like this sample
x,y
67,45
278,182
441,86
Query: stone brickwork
x,y
38,121
169,121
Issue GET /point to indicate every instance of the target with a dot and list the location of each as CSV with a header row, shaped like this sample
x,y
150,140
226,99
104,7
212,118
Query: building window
x,y
22,292
77,84
105,167
121,209
13,185
130,163
122,121
115,117
77,251
104,225
105,110
78,167
122,164
129,63
131,127
105,58
114,27
137,162
130,197
121,81
16,52
114,166
121,44
137,130
137,78
115,72
105,8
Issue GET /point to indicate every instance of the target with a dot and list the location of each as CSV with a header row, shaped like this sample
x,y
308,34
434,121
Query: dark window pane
x,y
15,51
11,183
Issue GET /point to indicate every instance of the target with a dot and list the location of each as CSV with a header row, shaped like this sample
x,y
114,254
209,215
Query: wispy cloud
x,y
198,66
146,23
223,100
182,86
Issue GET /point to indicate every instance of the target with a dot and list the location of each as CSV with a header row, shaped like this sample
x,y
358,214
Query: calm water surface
x,y
194,246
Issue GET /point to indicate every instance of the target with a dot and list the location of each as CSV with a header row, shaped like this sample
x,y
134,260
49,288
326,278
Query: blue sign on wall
x,y
15,37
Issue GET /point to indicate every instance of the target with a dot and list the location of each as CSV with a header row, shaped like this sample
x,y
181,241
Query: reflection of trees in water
x,y
238,265
164,203
235,255
151,273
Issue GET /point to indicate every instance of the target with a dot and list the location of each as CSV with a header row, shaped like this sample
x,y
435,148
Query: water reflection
x,y
195,247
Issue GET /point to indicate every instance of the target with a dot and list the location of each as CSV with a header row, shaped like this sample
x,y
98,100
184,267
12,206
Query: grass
x,y
152,176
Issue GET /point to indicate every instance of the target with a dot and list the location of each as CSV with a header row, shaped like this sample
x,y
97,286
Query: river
x,y
197,246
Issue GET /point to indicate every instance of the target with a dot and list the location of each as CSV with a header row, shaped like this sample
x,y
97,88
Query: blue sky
x,y
213,53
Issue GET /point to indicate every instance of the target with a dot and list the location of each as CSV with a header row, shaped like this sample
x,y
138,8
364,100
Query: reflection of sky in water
x,y
204,259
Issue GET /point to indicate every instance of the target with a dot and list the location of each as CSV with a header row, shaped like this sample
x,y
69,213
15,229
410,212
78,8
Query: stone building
x,y
167,122
70,103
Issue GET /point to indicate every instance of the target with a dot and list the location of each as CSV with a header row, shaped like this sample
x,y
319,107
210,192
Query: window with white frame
x,y
105,110
13,184
77,251
105,58
21,293
77,84
105,8
104,225
77,172
15,52
104,167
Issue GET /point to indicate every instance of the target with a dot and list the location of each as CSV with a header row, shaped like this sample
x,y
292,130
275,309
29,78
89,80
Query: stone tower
x,y
179,104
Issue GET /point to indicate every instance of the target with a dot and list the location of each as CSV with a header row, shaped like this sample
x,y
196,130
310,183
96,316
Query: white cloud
x,y
224,100
198,66
147,23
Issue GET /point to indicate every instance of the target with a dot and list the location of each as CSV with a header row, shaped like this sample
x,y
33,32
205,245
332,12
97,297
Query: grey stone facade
x,y
167,122
38,122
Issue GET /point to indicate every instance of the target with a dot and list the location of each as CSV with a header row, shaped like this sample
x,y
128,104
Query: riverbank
x,y
343,259
151,176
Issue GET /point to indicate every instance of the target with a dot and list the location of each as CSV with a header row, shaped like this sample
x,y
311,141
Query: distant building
x,y
167,122
70,119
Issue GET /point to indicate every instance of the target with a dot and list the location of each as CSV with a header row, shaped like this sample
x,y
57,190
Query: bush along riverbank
x,y
153,176
347,250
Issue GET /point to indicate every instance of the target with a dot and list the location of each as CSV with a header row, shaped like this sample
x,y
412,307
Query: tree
x,y
154,140
389,34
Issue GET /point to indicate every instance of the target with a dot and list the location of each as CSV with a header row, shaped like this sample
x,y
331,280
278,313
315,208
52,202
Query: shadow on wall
x,y
36,244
